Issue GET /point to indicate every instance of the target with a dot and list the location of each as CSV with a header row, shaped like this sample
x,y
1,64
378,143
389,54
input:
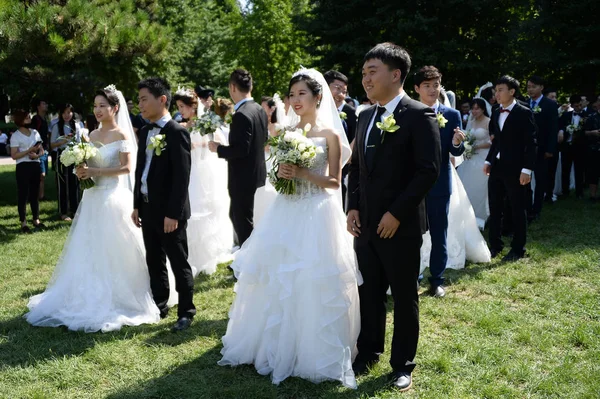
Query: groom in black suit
x,y
161,202
390,175
509,164
545,112
245,153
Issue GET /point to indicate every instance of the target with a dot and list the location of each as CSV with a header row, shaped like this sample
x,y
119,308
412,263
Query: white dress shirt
x,y
501,120
389,110
149,153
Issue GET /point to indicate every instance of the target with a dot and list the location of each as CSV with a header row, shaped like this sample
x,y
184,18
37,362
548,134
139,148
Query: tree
x,y
65,50
271,45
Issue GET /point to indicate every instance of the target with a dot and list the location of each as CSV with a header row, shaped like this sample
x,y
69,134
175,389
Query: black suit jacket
x,y
516,143
407,165
168,177
564,121
351,121
245,153
547,125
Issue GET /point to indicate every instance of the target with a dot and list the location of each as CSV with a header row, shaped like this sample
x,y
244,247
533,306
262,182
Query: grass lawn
x,y
530,329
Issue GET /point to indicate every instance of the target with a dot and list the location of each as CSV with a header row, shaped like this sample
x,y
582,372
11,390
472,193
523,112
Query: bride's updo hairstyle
x,y
188,97
311,83
111,97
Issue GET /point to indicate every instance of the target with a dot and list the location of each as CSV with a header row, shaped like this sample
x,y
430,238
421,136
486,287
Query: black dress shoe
x,y
495,252
361,367
182,324
164,314
437,292
513,256
401,380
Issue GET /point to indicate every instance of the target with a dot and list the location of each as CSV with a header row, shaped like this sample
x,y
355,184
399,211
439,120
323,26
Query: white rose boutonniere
x,y
157,144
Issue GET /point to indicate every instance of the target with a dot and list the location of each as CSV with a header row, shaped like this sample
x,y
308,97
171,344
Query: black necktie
x,y
374,137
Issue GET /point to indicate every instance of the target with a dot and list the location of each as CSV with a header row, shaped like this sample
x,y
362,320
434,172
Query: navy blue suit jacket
x,y
443,185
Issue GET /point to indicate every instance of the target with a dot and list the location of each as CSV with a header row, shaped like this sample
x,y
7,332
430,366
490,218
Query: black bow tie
x,y
577,114
504,110
154,126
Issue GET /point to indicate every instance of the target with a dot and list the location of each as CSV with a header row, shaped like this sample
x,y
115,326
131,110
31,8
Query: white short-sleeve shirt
x,y
22,143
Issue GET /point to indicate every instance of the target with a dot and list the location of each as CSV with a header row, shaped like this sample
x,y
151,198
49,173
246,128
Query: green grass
x,y
530,329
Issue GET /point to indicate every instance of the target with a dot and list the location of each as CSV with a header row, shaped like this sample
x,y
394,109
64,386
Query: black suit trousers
x,y
502,185
241,213
159,247
393,263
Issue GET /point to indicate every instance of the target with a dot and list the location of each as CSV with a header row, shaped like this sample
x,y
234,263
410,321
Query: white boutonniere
x,y
537,109
343,115
387,126
441,120
157,144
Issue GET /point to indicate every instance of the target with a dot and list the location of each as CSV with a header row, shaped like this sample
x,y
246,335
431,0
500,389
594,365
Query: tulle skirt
x,y
101,282
296,310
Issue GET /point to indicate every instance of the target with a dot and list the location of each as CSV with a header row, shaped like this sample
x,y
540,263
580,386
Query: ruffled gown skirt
x,y
296,310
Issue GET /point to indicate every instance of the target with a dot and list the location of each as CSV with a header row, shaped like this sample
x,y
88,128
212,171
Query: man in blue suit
x,y
428,84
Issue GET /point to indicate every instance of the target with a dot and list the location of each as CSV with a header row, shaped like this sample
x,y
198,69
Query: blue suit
x,y
438,198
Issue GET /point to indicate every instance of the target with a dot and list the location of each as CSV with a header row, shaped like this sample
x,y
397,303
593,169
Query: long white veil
x,y
328,116
124,123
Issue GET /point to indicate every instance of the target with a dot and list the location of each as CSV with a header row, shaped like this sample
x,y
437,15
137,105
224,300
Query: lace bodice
x,y
108,157
304,188
481,135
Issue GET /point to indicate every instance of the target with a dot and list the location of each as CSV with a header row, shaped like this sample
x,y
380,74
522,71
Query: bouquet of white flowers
x,y
291,147
469,143
208,123
78,154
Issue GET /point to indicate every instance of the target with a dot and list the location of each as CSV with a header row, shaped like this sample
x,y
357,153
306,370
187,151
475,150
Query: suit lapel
x,y
163,131
398,114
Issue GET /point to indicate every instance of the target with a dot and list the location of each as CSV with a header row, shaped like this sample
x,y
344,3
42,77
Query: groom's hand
x,y
135,217
353,222
212,146
388,226
170,225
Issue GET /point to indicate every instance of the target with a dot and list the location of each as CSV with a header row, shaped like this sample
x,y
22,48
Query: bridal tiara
x,y
110,88
182,91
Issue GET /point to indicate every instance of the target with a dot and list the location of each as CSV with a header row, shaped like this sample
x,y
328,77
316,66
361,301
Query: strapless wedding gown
x,y
209,231
465,241
474,180
101,281
296,310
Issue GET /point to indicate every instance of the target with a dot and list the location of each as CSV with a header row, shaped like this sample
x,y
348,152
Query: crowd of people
x,y
394,180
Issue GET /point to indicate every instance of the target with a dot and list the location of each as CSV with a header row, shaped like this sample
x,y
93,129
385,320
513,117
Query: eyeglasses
x,y
338,88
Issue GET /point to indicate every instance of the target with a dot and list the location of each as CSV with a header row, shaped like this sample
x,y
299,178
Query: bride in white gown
x,y
101,280
209,230
475,182
296,310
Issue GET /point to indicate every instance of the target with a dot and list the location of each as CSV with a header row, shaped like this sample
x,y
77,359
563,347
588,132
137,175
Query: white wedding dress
x,y
475,182
101,281
209,230
296,310
465,241
265,196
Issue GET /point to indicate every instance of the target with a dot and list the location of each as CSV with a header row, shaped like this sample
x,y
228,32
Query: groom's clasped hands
x,y
386,228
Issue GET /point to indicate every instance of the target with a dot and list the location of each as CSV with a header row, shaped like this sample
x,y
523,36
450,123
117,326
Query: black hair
x,y
427,73
269,100
395,57
110,96
242,80
481,104
157,87
465,101
548,90
35,103
331,76
575,98
509,81
91,123
312,84
537,80
61,121
487,94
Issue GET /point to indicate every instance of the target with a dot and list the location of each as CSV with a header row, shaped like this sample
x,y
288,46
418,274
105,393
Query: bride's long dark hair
x,y
481,104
